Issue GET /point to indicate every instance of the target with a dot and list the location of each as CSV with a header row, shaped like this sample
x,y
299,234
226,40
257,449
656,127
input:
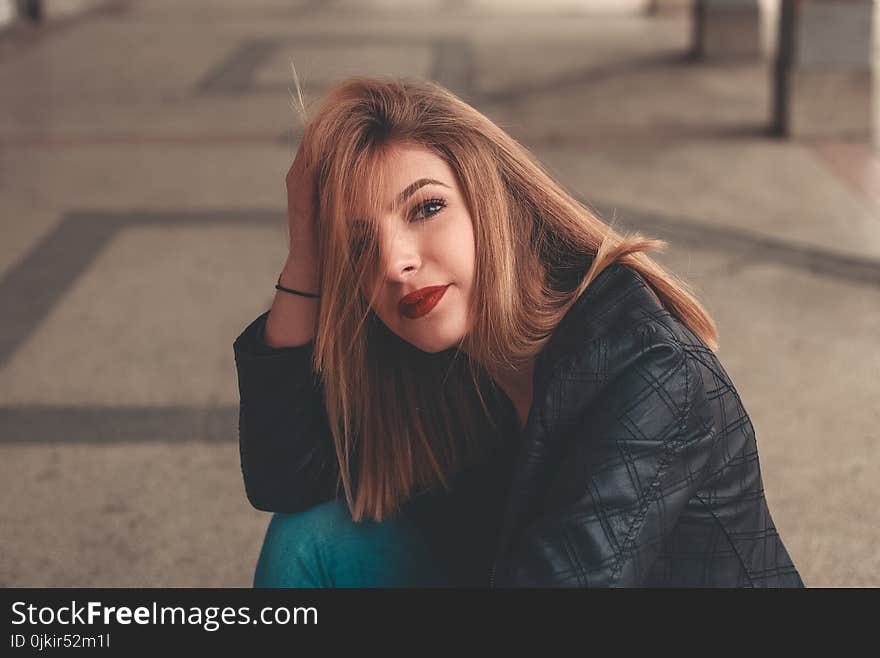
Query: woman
x,y
507,391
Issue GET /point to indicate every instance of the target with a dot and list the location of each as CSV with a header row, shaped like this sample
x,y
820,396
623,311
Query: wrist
x,y
299,275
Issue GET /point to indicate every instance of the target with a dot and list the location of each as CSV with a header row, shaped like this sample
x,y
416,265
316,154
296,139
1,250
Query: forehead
x,y
399,157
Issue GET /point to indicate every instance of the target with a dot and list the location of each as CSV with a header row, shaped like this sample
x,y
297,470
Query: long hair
x,y
404,420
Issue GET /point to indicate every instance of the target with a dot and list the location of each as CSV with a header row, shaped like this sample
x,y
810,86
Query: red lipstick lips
x,y
419,303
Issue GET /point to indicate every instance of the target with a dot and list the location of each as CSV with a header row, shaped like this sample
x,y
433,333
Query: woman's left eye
x,y
423,209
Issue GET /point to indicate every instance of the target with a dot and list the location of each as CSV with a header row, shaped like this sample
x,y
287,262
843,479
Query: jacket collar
x,y
579,325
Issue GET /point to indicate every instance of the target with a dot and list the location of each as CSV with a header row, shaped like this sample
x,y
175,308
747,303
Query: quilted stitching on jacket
x,y
641,468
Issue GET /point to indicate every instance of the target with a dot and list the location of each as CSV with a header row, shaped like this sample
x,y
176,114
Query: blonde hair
x,y
403,420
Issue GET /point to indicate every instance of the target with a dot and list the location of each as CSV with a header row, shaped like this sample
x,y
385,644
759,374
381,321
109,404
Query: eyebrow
x,y
409,190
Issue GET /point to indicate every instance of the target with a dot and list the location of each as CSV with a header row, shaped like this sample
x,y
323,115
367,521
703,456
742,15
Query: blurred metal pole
x,y
823,75
30,9
726,29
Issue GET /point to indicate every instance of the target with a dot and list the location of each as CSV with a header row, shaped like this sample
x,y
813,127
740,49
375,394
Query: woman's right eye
x,y
421,212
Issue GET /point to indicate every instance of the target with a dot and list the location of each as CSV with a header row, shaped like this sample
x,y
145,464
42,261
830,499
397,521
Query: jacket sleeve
x,y
287,457
635,458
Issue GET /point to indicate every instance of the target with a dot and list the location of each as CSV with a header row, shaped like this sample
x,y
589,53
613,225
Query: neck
x,y
517,382
518,386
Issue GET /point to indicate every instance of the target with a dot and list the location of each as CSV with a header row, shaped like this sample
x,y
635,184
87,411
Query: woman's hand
x,y
302,206
292,319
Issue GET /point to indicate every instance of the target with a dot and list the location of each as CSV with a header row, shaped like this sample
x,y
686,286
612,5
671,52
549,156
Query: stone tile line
x,y
591,74
225,137
452,66
40,280
235,74
55,424
33,286
752,246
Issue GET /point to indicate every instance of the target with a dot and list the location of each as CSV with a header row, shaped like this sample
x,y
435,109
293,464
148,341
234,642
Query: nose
x,y
403,259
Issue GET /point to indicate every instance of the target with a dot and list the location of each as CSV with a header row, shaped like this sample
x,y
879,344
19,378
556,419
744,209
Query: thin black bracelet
x,y
278,286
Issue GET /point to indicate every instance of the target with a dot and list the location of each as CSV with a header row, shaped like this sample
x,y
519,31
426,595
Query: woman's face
x,y
426,240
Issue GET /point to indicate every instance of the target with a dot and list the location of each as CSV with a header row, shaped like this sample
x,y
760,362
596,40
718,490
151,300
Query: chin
x,y
429,338
437,341
434,346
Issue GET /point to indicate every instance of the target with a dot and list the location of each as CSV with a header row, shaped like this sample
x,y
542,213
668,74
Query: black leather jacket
x,y
637,466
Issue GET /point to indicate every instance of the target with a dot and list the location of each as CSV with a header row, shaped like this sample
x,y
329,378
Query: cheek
x,y
456,247
465,255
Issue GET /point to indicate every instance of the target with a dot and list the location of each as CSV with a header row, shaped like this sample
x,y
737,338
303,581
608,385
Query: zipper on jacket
x,y
492,576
